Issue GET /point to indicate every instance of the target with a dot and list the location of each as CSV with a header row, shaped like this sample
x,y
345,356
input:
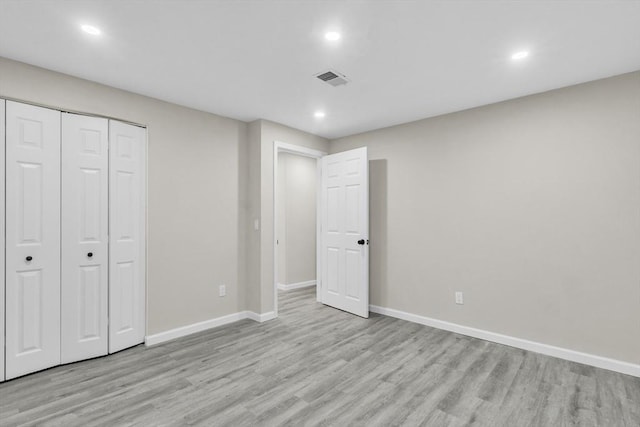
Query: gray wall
x,y
531,207
297,187
193,191
253,237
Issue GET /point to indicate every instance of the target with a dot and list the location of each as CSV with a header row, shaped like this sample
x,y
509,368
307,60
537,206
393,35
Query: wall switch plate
x,y
256,224
459,299
223,290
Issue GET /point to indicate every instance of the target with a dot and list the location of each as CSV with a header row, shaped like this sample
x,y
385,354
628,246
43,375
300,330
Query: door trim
x,y
71,111
283,147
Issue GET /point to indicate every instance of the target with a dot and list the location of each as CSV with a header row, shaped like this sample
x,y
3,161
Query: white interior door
x,y
127,235
33,238
85,257
345,229
2,288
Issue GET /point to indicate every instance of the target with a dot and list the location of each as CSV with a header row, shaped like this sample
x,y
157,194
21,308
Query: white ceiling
x,y
256,59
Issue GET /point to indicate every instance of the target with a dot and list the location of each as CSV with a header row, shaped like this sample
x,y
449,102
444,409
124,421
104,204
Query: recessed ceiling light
x,y
319,114
332,36
90,29
520,55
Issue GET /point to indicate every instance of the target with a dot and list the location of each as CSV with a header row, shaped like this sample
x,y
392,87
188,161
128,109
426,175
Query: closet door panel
x,y
85,161
32,238
127,235
2,288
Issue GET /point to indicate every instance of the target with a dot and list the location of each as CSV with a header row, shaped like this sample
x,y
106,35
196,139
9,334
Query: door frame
x,y
283,147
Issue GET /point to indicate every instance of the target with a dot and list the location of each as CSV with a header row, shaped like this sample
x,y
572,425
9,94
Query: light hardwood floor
x,y
318,366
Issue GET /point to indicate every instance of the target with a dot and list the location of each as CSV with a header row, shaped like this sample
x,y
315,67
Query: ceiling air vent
x,y
332,77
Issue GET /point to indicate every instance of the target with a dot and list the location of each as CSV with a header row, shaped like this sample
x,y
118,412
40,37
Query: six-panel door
x,y
345,228
85,256
127,235
32,238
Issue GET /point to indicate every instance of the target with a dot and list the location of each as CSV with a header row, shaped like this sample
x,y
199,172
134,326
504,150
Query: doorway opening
x,y
296,220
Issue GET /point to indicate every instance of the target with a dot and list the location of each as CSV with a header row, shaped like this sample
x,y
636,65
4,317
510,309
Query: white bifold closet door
x,y
85,247
126,235
2,288
32,239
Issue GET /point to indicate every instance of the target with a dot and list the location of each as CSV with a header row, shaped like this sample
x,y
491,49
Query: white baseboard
x,y
549,350
298,285
261,317
193,328
207,324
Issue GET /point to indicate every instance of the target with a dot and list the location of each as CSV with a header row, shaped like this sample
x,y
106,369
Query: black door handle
x,y
361,242
29,258
90,254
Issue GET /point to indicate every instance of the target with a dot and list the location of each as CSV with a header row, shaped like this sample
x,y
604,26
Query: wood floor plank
x,y
315,366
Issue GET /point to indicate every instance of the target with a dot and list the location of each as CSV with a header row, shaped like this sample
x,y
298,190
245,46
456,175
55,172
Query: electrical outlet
x,y
223,290
459,299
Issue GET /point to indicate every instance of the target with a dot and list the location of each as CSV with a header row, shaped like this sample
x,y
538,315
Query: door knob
x,y
29,258
90,254
361,242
